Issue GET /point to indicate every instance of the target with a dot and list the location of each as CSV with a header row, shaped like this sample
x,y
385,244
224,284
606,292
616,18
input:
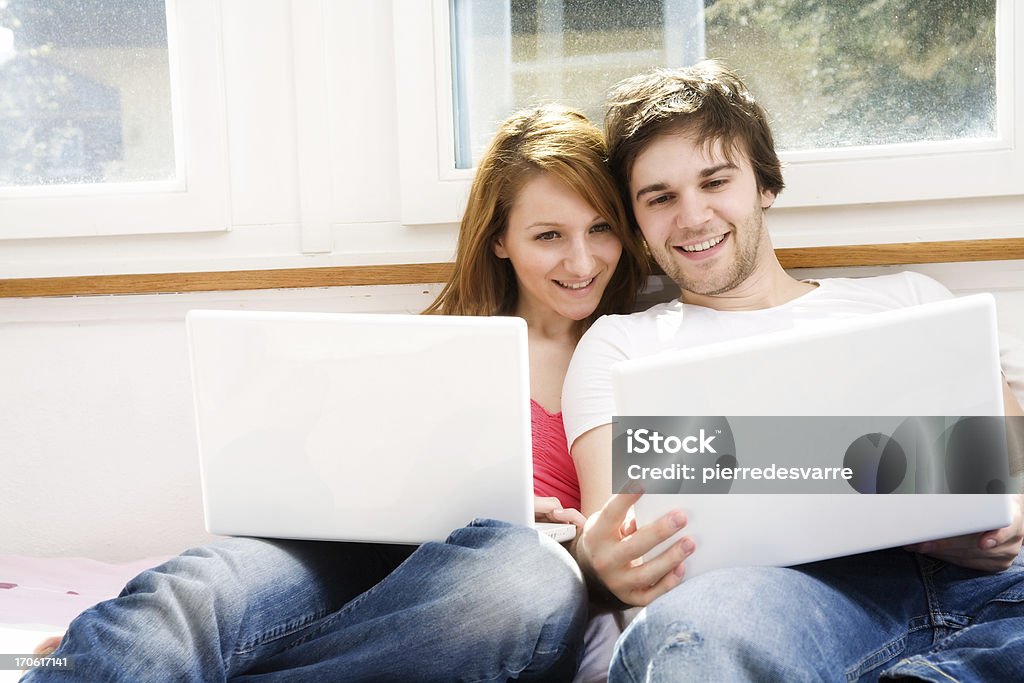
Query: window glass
x,y
831,74
85,93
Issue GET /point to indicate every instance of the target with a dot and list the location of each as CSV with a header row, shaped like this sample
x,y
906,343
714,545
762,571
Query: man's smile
x,y
703,249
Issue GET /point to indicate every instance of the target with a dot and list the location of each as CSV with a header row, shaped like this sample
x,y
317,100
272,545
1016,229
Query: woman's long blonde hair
x,y
546,139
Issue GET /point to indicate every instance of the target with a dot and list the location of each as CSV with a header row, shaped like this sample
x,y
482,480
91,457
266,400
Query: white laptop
x,y
361,427
938,359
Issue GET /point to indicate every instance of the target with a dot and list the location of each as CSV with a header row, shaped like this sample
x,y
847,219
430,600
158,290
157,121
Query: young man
x,y
694,155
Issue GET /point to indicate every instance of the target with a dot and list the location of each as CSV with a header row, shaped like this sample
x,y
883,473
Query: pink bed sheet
x,y
54,590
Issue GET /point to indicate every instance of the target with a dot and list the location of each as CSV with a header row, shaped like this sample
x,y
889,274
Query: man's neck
x,y
766,287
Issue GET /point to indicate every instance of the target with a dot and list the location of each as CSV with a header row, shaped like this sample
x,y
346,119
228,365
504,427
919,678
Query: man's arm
x,y
1015,430
591,454
995,550
610,547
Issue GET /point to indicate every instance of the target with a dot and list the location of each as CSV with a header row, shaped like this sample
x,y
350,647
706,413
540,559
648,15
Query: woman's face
x,y
563,251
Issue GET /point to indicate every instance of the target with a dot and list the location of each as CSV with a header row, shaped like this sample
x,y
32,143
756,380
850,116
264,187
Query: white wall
x,y
97,439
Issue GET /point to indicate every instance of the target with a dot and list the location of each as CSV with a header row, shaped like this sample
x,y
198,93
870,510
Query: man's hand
x,y
610,551
551,510
991,551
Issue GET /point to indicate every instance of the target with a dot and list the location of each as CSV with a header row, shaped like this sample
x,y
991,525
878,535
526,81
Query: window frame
x,y
198,200
820,183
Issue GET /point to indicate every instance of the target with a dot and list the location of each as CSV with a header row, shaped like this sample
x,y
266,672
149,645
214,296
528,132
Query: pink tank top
x,y
553,471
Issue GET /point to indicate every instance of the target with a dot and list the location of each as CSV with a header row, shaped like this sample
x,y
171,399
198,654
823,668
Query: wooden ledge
x,y
228,280
903,254
426,273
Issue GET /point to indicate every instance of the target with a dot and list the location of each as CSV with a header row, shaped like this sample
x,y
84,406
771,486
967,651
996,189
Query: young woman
x,y
544,237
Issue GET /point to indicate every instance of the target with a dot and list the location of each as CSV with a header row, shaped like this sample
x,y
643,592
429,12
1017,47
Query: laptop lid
x,y
360,427
937,359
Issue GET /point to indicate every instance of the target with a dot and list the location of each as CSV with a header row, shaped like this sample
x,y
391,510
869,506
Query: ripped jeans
x,y
880,615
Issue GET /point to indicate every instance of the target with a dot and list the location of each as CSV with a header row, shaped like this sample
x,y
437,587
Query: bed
x,y
40,596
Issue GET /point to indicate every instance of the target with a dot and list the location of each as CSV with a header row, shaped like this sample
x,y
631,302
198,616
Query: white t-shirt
x,y
587,394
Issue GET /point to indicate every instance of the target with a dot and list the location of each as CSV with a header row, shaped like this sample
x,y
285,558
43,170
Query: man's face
x,y
701,214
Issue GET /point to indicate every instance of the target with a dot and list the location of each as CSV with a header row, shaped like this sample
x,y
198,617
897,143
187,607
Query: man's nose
x,y
693,210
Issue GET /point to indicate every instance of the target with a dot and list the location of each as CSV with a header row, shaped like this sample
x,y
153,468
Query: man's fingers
x,y
645,596
650,535
991,551
998,537
648,573
629,528
641,583
969,542
644,539
992,561
991,539
613,514
614,546
946,544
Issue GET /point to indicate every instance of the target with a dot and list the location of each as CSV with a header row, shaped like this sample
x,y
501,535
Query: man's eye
x,y
715,184
660,199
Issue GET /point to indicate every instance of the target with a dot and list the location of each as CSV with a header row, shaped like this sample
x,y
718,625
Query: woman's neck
x,y
549,325
552,339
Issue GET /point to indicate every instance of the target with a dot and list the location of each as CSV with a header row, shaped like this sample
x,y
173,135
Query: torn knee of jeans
x,y
679,635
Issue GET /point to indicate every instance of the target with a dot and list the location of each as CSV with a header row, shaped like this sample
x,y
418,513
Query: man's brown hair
x,y
707,101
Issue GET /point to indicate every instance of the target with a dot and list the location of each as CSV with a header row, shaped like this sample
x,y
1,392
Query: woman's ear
x,y
499,247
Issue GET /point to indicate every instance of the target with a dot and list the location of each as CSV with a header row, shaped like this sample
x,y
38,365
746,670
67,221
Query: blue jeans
x,y
888,614
494,602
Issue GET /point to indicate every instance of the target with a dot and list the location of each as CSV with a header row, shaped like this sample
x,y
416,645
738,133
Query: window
x,y
507,55
881,102
93,135
84,93
898,72
841,74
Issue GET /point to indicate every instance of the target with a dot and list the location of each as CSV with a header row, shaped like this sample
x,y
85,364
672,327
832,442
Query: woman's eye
x,y
547,236
601,227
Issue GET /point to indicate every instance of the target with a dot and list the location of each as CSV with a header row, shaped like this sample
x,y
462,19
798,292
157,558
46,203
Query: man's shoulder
x,y
899,280
905,288
667,309
630,334
671,307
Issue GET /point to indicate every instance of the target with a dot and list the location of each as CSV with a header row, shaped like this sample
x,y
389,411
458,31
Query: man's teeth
x,y
575,285
705,245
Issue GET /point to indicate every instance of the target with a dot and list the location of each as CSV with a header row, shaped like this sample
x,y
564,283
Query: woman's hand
x,y
991,551
611,549
551,510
